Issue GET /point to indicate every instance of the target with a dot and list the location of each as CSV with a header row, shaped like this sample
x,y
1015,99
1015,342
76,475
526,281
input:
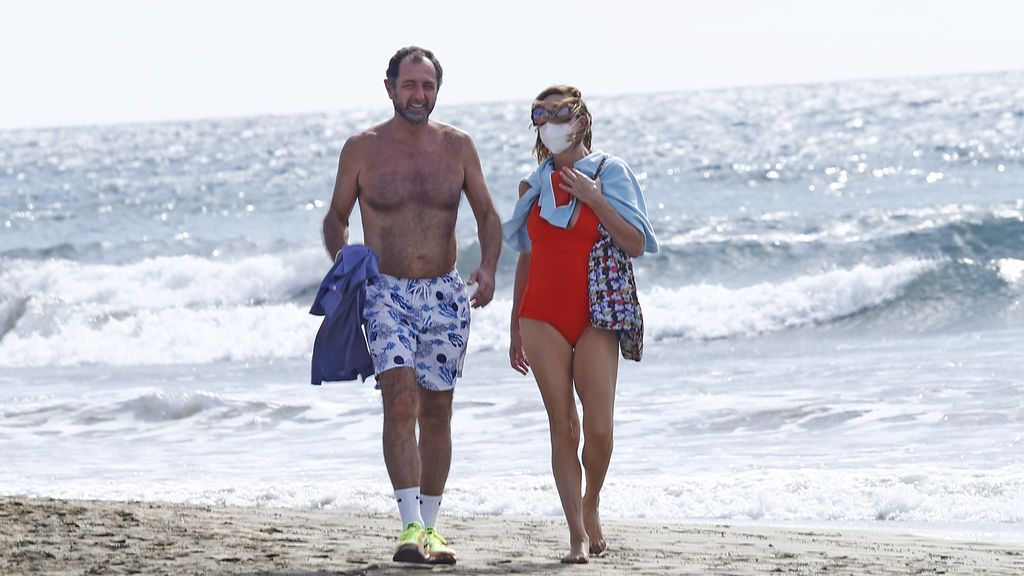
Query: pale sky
x,y
74,62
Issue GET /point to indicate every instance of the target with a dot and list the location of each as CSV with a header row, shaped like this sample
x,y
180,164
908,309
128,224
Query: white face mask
x,y
556,136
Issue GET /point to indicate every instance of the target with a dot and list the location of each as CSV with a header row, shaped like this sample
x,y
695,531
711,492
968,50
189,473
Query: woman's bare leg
x,y
595,371
551,361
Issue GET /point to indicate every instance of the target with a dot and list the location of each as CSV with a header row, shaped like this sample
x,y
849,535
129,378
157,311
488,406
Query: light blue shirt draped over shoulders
x,y
618,184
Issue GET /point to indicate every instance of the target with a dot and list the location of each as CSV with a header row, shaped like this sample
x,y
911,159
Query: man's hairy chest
x,y
403,184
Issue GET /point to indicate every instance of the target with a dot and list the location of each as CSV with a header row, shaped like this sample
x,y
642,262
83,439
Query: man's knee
x,y
435,410
398,389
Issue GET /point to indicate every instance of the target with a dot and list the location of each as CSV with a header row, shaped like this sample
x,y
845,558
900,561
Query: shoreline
x,y
42,535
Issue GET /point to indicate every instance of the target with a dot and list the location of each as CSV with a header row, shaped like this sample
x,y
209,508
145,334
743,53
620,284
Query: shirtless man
x,y
408,175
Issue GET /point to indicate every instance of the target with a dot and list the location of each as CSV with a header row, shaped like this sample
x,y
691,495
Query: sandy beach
x,y
45,536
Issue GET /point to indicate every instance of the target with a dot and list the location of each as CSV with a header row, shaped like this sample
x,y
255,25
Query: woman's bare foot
x,y
577,553
592,522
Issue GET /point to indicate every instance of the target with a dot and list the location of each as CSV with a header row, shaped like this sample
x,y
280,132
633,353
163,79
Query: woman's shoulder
x,y
534,177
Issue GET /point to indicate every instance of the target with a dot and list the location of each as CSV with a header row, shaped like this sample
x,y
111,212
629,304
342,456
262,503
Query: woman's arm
x,y
516,354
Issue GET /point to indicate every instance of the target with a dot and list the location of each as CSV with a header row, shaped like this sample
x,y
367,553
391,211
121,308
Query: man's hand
x,y
483,279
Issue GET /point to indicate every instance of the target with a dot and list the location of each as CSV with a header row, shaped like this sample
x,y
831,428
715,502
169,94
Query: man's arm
x,y
346,188
488,226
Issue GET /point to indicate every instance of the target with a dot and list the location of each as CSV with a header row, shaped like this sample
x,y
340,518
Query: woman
x,y
554,227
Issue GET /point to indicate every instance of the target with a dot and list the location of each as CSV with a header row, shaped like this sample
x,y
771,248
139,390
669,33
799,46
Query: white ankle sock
x,y
409,504
429,508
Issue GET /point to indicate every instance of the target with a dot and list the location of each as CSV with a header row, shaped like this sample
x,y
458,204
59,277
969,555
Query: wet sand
x,y
45,536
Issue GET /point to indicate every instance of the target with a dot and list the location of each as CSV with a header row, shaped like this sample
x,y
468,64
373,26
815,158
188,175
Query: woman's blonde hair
x,y
575,97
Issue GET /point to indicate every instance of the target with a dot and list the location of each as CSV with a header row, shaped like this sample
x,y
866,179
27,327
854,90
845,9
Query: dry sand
x,y
43,536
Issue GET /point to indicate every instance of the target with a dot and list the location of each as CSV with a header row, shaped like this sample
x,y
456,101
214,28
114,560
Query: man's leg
x,y
399,391
441,349
435,451
401,402
440,352
435,419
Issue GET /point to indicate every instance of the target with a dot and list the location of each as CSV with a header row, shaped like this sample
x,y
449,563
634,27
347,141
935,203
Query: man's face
x,y
415,90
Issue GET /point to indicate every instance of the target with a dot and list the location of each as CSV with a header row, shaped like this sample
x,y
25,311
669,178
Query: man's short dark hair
x,y
417,54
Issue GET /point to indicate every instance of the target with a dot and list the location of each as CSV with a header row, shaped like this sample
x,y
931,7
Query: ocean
x,y
834,323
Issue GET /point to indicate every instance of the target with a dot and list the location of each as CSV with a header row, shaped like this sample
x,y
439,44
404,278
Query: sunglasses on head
x,y
559,114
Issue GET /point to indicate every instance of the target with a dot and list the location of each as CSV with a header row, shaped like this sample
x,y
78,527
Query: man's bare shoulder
x,y
456,138
451,132
365,139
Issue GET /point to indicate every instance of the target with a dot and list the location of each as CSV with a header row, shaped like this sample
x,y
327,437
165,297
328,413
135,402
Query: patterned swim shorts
x,y
419,323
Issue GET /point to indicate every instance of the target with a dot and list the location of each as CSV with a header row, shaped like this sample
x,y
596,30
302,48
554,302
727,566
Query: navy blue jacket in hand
x,y
340,351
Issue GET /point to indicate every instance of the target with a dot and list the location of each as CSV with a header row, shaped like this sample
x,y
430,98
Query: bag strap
x,y
597,172
600,227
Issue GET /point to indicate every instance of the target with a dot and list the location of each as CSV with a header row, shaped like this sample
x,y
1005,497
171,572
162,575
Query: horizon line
x,y
230,117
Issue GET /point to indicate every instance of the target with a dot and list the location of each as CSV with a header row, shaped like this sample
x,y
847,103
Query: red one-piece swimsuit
x,y
556,289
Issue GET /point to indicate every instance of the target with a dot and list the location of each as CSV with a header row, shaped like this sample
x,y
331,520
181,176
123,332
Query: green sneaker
x,y
410,544
438,551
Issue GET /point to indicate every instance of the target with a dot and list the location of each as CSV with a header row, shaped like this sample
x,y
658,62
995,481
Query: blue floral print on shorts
x,y
419,323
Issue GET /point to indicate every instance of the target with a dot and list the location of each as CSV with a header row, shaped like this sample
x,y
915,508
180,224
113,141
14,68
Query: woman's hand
x,y
516,354
581,186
